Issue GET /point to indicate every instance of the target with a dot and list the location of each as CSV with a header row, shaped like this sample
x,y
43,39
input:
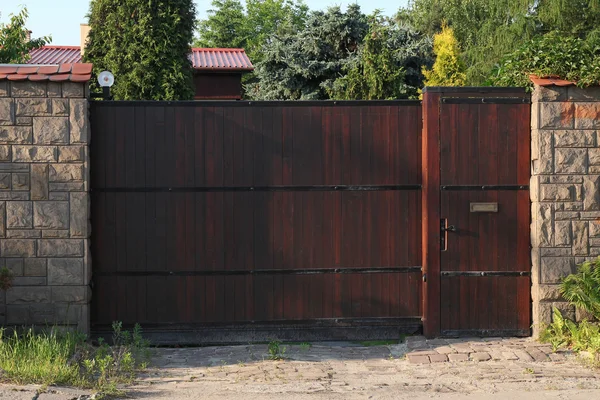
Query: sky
x,y
61,18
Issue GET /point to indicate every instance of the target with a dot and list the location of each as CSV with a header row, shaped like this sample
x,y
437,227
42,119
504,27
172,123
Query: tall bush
x,y
448,69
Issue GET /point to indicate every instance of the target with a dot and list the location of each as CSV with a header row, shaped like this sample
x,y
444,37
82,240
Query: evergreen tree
x,y
145,44
448,69
225,26
388,66
14,44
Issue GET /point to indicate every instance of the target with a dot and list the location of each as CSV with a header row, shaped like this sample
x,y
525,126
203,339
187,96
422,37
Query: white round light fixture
x,y
106,79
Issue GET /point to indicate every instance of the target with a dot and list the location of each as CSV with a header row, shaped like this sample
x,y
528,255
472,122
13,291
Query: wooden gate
x,y
476,212
246,214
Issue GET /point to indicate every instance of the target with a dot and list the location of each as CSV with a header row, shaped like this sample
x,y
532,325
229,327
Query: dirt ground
x,y
346,371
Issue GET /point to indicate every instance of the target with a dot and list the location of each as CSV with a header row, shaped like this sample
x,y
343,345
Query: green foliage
x,y
6,278
53,357
552,54
225,26
342,55
563,333
387,66
14,46
249,26
276,350
145,44
582,289
448,69
488,30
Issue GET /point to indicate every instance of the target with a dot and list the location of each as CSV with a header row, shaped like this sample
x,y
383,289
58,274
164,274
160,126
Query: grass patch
x,y
53,357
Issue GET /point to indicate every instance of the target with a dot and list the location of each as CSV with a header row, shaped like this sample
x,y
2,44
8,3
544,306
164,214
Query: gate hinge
x,y
425,277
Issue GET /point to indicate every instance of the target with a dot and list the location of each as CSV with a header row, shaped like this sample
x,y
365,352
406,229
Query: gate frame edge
x,y
430,208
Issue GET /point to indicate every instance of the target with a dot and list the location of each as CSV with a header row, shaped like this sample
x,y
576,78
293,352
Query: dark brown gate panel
x,y
231,212
483,240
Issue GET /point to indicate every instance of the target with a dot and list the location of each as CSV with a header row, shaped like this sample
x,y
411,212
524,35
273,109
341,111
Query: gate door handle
x,y
450,228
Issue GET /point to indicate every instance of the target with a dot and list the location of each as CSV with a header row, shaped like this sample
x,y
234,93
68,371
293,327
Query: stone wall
x,y
44,203
565,191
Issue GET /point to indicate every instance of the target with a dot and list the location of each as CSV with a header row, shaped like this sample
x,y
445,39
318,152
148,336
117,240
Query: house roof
x,y
220,59
550,80
203,59
56,73
55,55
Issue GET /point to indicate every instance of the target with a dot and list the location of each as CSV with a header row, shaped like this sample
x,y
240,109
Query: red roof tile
x,y
550,80
57,73
55,55
220,59
202,58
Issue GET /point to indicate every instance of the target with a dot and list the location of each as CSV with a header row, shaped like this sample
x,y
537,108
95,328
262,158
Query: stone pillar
x,y
44,203
565,191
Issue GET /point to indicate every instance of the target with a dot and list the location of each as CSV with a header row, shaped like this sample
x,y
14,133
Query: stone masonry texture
x,y
44,203
565,191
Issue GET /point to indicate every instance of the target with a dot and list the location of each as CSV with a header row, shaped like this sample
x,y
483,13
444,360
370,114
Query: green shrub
x,y
569,58
563,333
582,289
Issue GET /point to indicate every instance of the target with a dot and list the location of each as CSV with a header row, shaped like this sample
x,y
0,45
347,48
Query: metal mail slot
x,y
484,207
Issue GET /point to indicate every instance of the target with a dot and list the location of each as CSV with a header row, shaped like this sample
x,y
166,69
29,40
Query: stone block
x,y
65,172
546,293
39,182
566,215
55,233
29,281
568,206
54,89
15,265
19,214
562,233
580,238
594,227
50,130
5,153
587,115
542,151
28,89
549,93
15,134
60,107
558,192
5,180
543,233
67,187
9,195
587,215
591,193
28,295
556,115
71,154
23,233
574,138
17,248
25,121
60,248
51,214
70,294
555,268
556,251
79,121
17,315
59,196
33,107
2,219
570,161
4,89
7,111
575,93
34,267
594,156
20,181
43,314
73,89
34,154
79,220
65,271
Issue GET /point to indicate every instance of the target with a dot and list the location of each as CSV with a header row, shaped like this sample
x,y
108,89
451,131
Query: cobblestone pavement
x,y
475,369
